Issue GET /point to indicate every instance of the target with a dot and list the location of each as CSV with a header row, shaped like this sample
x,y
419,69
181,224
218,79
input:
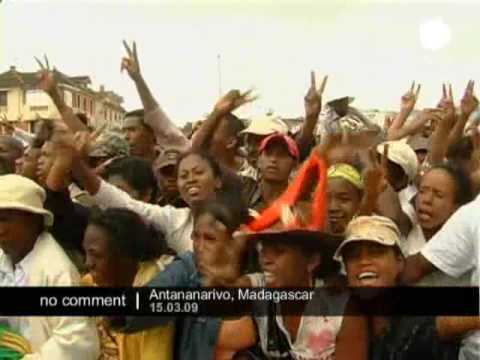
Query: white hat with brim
x,y
377,229
20,193
265,126
402,154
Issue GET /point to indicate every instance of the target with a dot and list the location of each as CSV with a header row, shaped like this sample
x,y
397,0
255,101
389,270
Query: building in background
x,y
24,104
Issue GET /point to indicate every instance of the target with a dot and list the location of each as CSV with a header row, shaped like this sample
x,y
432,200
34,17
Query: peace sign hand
x,y
46,78
469,102
313,99
447,99
409,100
131,63
233,100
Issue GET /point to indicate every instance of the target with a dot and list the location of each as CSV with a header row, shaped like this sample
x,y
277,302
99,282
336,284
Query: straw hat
x,y
19,193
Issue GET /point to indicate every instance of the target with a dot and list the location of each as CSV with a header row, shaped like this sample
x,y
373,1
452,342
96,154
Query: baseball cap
x,y
403,155
287,140
378,229
266,125
109,144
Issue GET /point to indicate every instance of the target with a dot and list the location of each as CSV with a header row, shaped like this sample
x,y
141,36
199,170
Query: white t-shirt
x,y
175,224
316,335
413,245
455,250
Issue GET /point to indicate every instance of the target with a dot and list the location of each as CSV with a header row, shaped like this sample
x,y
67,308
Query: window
x,y
3,98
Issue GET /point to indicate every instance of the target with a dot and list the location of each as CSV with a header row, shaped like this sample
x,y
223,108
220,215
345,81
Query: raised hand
x,y
233,100
447,98
448,106
469,102
410,98
313,99
375,176
130,62
46,78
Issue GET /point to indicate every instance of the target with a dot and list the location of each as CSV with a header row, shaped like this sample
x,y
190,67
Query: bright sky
x,y
370,49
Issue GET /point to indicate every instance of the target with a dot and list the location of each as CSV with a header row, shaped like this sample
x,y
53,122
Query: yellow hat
x,y
346,172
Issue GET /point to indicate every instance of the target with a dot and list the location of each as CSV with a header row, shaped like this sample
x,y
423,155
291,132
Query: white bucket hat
x,y
20,193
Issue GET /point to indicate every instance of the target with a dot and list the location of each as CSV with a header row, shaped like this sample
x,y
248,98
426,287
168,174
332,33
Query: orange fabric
x,y
314,165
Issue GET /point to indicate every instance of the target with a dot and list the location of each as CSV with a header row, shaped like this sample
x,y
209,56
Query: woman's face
x,y
196,180
435,201
370,264
343,203
286,266
101,263
210,239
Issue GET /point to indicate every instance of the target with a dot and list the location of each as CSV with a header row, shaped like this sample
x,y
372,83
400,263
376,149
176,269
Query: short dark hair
x,y
464,190
227,207
128,234
136,171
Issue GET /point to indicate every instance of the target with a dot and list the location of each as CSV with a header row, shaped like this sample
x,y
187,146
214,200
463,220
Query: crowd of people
x,y
255,206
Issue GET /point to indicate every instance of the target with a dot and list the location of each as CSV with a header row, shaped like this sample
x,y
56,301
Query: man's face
x,y
17,232
167,180
252,142
27,164
140,139
45,162
275,162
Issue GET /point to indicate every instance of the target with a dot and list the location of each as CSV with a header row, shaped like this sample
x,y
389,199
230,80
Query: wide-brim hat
x,y
294,221
312,241
20,193
266,125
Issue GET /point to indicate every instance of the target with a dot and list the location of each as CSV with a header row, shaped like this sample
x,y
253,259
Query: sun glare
x,y
434,34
